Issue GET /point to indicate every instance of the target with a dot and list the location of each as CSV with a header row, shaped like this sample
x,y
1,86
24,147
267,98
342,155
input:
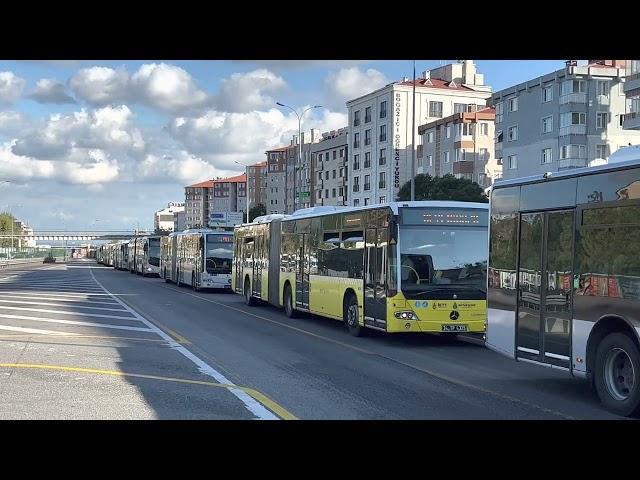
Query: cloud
x,y
350,83
108,128
10,87
49,91
295,64
13,123
178,167
243,92
101,85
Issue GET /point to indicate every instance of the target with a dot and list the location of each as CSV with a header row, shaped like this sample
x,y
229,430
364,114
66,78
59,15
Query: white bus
x,y
147,255
199,258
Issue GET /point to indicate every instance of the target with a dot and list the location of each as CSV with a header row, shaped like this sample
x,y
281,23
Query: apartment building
x,y
276,180
257,182
569,118
218,195
164,220
299,188
380,126
462,144
329,161
632,93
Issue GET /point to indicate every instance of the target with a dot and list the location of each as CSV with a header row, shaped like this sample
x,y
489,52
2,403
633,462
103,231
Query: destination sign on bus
x,y
220,238
445,216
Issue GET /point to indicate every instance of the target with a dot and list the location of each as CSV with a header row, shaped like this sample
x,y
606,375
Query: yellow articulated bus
x,y
396,267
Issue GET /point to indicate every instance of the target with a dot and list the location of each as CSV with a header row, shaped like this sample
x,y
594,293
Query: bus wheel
x,y
617,375
248,298
289,310
351,315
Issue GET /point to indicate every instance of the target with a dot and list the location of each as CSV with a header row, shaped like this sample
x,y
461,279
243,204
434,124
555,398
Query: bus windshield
x,y
154,248
437,262
219,254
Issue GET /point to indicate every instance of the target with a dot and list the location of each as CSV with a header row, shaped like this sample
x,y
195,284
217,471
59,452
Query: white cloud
x,y
350,83
101,85
108,128
10,87
179,167
13,123
243,92
49,91
294,64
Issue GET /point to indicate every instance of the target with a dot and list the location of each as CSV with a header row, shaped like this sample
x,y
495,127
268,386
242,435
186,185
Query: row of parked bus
x,y
197,258
549,270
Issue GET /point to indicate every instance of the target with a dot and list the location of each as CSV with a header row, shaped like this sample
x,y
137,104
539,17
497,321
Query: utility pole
x,y
413,136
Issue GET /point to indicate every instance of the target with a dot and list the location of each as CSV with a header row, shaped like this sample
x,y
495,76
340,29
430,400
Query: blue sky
x,y
117,140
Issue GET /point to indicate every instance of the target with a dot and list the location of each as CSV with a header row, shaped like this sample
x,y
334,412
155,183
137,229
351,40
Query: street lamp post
x,y
295,169
246,192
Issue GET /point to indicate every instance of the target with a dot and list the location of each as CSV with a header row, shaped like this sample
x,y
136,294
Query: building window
x,y
484,154
326,175
366,201
547,93
356,184
356,118
356,202
356,140
367,115
342,153
430,137
513,104
367,160
573,151
512,133
572,118
382,160
499,110
356,162
382,180
572,86
319,195
420,161
340,191
435,109
547,155
512,162
367,137
484,128
383,109
326,193
429,160
547,124
445,157
448,130
367,182
334,173
602,118
341,172
335,154
459,108
383,199
602,151
603,88
319,175
383,133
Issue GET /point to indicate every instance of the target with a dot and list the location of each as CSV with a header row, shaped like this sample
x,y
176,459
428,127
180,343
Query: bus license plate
x,y
454,328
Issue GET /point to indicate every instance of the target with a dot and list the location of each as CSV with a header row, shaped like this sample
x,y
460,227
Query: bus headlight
x,y
408,315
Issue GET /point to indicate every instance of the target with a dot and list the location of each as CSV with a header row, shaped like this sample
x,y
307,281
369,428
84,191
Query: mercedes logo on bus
x,y
454,315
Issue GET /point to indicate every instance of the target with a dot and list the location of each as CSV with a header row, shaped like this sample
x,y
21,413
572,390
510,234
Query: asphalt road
x,y
81,341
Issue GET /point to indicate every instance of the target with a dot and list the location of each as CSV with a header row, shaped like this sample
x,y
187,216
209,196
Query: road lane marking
x,y
64,312
431,373
256,395
79,336
47,304
253,405
33,331
53,296
75,322
53,293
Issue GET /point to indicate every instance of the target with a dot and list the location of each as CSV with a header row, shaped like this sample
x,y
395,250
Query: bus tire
x,y
617,374
351,315
248,298
289,309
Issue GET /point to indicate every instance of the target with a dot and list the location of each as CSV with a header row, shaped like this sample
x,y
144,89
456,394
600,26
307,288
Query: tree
x,y
5,228
256,211
447,187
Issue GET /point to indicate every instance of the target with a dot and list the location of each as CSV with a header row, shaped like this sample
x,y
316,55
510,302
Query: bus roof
x,y
574,172
394,206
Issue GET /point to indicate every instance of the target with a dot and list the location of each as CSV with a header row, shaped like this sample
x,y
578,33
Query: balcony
x,y
631,121
573,98
573,130
632,82
565,163
603,99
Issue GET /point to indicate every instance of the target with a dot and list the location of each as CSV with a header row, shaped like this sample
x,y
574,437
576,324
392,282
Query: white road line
x,y
35,330
33,283
63,312
56,286
47,304
70,301
75,322
259,410
53,293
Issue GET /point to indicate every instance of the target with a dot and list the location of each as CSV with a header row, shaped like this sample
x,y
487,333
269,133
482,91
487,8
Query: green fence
x,y
8,253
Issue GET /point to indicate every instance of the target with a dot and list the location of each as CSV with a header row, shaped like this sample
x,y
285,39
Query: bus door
x,y
545,281
302,271
239,261
375,303
257,266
